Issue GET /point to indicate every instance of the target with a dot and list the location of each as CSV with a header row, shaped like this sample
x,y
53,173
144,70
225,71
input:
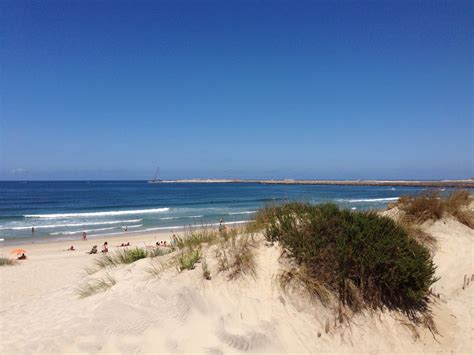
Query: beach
x,y
181,312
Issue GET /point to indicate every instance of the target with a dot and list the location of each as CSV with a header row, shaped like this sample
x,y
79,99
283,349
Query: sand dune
x,y
183,313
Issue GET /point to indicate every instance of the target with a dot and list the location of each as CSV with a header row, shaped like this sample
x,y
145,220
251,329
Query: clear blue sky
x,y
323,89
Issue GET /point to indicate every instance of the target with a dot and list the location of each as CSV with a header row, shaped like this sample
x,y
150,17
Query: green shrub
x,y
187,260
357,256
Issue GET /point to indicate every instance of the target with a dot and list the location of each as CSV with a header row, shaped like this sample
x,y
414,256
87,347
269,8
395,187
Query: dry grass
x,y
423,207
430,205
95,286
415,232
457,205
236,256
206,273
298,279
7,261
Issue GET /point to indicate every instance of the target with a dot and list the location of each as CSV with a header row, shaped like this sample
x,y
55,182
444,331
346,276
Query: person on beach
x,y
93,250
174,241
221,225
71,248
22,257
32,230
84,236
105,248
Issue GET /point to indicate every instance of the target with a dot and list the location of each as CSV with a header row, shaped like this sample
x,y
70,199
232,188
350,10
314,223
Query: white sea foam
x,y
80,231
369,200
134,226
243,212
70,225
177,217
98,214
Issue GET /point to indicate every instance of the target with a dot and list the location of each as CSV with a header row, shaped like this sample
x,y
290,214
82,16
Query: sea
x,y
63,210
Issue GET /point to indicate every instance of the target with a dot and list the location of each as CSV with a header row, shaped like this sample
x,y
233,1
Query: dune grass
x,y
95,286
431,205
236,256
188,259
7,262
206,273
196,238
125,256
362,259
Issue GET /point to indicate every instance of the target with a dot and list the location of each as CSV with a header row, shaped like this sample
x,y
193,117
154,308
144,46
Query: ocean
x,y
64,209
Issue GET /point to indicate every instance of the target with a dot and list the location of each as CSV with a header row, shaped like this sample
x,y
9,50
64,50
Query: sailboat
x,y
155,178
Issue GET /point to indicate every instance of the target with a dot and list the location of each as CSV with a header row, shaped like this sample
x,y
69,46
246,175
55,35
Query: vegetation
x,y
195,238
188,259
431,205
236,256
95,286
205,271
364,260
6,261
125,256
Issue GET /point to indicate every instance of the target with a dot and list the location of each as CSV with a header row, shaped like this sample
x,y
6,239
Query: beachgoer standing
x,y
84,236
221,225
32,230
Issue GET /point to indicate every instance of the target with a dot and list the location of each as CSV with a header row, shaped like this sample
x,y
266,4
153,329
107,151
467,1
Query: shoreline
x,y
41,240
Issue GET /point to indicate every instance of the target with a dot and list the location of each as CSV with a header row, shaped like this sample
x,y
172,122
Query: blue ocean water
x,y
65,209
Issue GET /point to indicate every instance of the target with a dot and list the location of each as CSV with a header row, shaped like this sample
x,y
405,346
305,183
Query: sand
x,y
174,312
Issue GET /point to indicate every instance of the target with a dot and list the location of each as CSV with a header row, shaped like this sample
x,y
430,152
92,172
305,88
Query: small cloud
x,y
19,171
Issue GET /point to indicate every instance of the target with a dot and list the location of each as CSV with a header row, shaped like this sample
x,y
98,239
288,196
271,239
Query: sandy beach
x,y
181,312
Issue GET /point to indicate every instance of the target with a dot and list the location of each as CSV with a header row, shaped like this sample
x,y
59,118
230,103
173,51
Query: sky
x,y
245,89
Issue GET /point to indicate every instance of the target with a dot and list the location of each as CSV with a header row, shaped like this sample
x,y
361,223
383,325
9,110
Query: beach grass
x,y
188,259
96,286
7,262
206,273
431,205
236,256
196,238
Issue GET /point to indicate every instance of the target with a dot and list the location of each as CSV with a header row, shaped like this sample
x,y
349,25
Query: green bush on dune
x,y
362,258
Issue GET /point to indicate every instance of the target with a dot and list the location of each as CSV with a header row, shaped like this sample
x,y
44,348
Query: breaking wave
x,y
97,214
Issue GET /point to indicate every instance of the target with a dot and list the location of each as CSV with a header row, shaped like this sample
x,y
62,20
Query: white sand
x,y
40,310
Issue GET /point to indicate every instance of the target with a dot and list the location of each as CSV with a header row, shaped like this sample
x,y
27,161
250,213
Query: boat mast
x,y
156,173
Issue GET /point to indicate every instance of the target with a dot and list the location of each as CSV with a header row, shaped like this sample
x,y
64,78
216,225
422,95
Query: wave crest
x,y
97,214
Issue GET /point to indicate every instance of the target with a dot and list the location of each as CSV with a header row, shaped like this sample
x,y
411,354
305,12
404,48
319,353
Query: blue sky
x,y
307,89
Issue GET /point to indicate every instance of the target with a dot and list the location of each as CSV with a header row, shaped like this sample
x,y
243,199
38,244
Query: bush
x,y
357,256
